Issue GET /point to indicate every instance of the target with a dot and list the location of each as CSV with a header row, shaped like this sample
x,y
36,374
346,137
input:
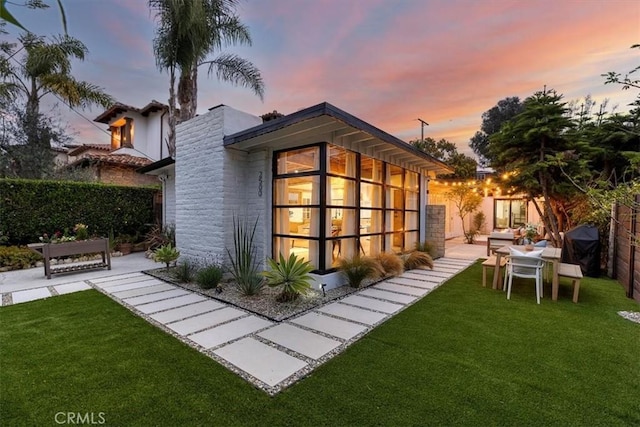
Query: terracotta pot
x,y
125,248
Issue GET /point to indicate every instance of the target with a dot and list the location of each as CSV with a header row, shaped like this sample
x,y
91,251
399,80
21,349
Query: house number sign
x,y
260,184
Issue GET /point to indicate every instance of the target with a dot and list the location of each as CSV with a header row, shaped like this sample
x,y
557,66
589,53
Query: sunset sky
x,y
387,62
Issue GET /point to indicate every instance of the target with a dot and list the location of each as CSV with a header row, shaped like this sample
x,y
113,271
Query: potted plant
x,y
125,244
530,233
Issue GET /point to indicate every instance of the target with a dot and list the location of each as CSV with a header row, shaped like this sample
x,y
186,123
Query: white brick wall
x,y
169,200
211,183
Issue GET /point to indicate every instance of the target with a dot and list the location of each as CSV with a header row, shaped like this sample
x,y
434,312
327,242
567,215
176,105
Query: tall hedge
x,y
29,208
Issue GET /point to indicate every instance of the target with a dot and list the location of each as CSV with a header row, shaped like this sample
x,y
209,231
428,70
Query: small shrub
x,y
244,265
251,285
166,254
390,263
17,257
291,274
359,268
479,218
160,235
185,271
418,259
210,276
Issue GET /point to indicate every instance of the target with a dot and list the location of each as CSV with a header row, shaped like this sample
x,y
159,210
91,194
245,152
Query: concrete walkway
x,y
270,355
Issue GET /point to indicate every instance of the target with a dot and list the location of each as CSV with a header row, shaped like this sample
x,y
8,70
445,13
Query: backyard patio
x,y
462,355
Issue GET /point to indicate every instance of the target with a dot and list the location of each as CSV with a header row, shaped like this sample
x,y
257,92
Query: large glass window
x,y
122,133
510,213
300,160
330,203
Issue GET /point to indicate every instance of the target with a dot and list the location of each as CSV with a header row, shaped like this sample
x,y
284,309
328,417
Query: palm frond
x,y
239,71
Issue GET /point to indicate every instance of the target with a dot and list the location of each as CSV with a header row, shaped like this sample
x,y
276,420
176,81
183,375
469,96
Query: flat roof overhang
x,y
324,122
159,167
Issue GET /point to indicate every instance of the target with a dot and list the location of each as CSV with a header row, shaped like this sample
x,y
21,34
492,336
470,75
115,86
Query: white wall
x,y
147,138
214,183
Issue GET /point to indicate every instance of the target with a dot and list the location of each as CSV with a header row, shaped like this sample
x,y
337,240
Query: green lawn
x,y
464,355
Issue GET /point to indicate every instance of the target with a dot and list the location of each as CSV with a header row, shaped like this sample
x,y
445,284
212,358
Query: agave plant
x,y
166,254
358,268
291,274
391,263
417,259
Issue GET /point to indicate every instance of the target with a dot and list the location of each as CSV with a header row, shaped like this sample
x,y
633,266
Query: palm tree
x,y
188,32
46,69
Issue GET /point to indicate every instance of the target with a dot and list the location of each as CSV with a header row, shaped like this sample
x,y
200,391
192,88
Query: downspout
x,y
163,179
162,133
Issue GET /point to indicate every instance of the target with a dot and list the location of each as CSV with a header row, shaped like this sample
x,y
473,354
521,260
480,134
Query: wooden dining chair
x,y
526,267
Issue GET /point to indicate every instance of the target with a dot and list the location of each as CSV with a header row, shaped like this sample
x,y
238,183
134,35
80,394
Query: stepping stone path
x,y
270,355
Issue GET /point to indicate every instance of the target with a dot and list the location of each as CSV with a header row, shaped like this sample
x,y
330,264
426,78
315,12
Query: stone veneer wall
x,y
214,183
435,227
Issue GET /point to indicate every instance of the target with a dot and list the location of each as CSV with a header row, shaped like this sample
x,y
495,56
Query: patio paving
x,y
270,355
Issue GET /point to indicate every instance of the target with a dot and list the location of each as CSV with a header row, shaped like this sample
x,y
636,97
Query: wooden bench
x,y
55,250
491,263
573,272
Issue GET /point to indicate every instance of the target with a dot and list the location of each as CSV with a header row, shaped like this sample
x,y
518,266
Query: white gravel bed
x,y
263,304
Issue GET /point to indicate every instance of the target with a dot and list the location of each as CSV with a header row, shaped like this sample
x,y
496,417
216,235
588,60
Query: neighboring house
x,y
503,209
137,139
321,183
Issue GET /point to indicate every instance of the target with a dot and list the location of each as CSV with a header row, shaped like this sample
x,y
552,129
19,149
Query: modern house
x,y
320,183
137,139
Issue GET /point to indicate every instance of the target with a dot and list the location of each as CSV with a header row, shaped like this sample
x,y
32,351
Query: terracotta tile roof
x,y
118,108
84,147
114,159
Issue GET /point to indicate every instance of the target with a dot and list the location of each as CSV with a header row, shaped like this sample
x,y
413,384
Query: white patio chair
x,y
526,267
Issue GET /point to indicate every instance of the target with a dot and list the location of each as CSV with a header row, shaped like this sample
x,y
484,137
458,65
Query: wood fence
x,y
626,267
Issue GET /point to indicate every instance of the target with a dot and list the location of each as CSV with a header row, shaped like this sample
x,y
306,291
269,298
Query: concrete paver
x,y
30,295
300,340
389,296
418,276
413,282
205,321
229,331
386,286
130,286
154,307
186,311
330,325
372,304
352,313
121,280
266,363
157,296
143,290
71,287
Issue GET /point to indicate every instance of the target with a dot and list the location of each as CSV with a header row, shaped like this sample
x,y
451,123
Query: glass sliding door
x,y
510,213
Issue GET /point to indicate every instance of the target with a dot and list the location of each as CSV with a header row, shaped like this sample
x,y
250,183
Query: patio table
x,y
552,255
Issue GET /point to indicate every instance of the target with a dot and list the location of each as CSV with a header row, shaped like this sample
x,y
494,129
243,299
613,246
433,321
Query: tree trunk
x,y
194,93
185,87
